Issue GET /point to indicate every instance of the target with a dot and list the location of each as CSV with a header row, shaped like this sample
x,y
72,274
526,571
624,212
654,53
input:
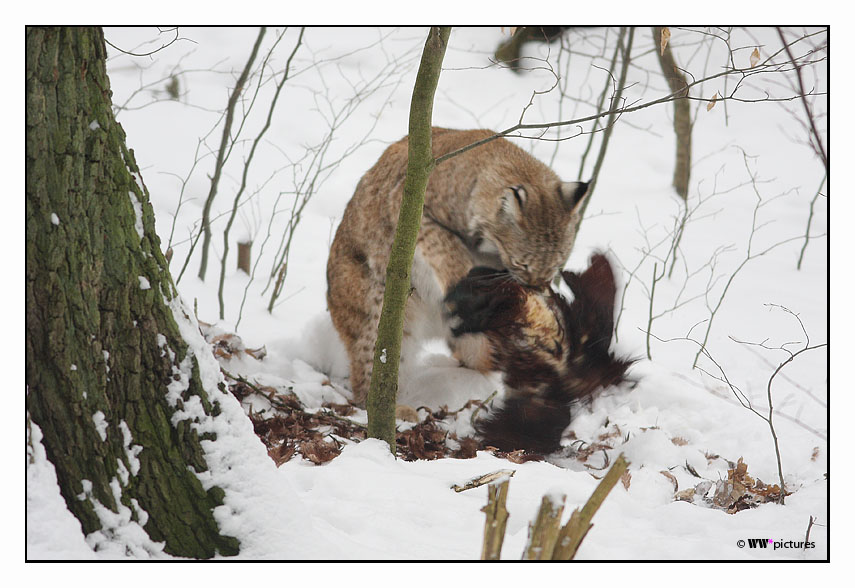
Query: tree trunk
x,y
682,116
387,351
106,366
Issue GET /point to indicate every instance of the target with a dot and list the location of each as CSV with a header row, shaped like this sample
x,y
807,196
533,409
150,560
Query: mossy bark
x,y
387,351
100,336
678,85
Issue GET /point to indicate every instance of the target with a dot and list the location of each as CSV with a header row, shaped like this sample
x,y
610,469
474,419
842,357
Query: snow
x,y
144,283
365,504
100,422
131,451
120,536
52,531
54,219
138,221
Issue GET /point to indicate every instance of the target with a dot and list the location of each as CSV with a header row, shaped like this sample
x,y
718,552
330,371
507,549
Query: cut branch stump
x,y
497,519
543,532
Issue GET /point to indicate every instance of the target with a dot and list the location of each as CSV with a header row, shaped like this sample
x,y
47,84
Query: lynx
x,y
494,206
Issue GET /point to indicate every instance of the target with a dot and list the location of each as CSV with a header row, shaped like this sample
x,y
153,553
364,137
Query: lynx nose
x,y
533,281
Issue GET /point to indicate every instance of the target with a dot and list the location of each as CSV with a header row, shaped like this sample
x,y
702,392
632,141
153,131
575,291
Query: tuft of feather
x,y
551,353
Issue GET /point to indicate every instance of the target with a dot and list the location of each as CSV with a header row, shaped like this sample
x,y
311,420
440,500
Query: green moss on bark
x,y
383,392
92,331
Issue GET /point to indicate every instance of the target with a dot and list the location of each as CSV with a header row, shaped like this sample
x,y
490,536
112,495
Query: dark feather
x,y
544,371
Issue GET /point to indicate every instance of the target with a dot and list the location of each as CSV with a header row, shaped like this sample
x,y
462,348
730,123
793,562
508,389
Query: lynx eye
x,y
519,194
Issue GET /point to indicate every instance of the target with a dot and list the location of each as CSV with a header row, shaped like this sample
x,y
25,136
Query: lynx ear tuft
x,y
572,193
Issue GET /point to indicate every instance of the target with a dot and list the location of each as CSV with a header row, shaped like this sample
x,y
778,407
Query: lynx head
x,y
529,221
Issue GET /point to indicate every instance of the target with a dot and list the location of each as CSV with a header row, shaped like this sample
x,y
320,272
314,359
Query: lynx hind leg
x,y
355,301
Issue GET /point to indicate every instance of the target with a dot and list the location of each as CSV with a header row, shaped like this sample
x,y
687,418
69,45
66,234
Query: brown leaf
x,y
755,57
814,454
468,448
319,452
687,495
518,456
340,409
282,453
711,103
259,353
679,441
626,479
664,36
226,345
671,477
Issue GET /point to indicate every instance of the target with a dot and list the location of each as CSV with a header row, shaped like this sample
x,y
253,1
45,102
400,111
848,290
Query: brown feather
x,y
551,353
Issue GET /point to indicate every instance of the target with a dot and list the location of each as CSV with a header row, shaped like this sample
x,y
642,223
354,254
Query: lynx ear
x,y
572,193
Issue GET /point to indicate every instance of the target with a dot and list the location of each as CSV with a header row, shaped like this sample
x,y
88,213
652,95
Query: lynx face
x,y
532,229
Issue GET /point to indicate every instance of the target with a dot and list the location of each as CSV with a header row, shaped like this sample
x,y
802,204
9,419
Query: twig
x,y
481,480
820,148
810,218
811,521
601,101
577,527
176,38
221,155
607,132
496,519
246,167
543,532
650,309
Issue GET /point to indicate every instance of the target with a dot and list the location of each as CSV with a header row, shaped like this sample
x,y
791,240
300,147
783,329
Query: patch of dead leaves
x,y
738,492
228,345
289,429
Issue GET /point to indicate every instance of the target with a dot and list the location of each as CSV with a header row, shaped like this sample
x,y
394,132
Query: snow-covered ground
x,y
751,167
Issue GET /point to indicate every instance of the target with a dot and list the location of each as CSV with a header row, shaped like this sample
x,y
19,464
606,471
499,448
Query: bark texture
x,y
387,351
101,341
682,116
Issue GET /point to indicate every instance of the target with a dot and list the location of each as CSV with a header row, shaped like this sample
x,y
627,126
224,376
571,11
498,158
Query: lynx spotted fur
x,y
493,206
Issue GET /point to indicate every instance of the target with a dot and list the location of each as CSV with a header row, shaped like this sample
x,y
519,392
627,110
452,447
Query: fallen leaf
x,y
259,353
671,477
687,495
319,452
626,479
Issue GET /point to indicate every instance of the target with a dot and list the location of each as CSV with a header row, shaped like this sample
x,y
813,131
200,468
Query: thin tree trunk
x,y
102,344
222,154
387,351
613,107
682,116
